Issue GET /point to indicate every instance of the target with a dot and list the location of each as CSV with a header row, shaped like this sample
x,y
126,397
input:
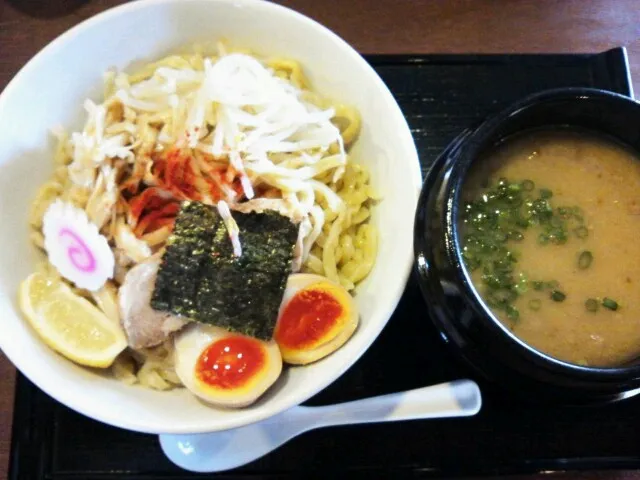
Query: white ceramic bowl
x,y
50,90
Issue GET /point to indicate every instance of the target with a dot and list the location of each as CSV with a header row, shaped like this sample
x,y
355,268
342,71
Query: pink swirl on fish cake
x,y
78,252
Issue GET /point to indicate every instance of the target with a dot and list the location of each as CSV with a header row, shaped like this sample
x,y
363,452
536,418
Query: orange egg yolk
x,y
308,317
230,362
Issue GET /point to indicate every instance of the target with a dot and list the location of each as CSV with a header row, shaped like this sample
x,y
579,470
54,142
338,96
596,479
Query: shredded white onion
x,y
235,109
232,227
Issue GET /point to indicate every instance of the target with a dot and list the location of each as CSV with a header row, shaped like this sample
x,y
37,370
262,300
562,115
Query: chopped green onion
x,y
502,297
591,305
521,287
515,236
472,263
542,209
535,304
584,260
502,265
545,193
538,285
528,185
492,281
543,239
512,312
558,237
556,222
500,237
581,232
514,200
501,215
492,302
564,212
609,303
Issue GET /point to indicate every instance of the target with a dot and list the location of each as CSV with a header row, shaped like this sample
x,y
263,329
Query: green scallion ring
x,y
564,212
528,185
585,259
512,312
581,231
545,193
609,303
591,305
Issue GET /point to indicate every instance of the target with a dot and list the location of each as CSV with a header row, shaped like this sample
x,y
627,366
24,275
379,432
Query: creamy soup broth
x,y
601,179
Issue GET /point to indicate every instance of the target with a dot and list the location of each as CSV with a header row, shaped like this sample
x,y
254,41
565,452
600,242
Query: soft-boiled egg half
x,y
224,368
317,316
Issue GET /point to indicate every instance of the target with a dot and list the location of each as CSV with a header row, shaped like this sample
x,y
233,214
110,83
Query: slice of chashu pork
x,y
144,326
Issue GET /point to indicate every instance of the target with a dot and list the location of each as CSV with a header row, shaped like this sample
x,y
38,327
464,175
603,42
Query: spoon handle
x,y
459,398
217,451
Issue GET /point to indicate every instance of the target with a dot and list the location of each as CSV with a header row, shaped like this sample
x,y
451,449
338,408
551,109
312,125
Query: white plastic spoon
x,y
218,451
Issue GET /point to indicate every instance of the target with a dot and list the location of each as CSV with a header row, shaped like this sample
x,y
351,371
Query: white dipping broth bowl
x,y
50,90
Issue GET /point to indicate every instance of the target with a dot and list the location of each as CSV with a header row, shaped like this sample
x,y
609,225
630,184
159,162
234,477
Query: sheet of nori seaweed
x,y
200,278
243,294
187,248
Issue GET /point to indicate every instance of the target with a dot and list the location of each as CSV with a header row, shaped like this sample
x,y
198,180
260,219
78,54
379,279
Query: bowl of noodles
x,y
208,210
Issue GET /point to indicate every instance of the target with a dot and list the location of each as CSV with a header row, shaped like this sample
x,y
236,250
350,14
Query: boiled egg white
x,y
223,368
317,316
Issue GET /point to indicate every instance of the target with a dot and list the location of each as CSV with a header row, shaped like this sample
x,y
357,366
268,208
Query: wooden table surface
x,y
371,26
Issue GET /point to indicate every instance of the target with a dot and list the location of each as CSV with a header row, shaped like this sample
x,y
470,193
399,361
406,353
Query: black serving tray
x,y
440,95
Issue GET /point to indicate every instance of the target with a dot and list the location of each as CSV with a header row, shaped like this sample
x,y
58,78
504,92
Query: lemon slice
x,y
69,324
